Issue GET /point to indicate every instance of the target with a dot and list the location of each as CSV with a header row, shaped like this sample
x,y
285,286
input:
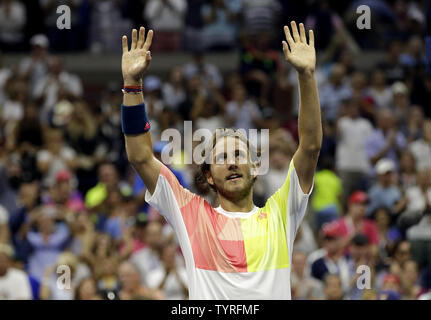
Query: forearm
x,y
138,147
309,123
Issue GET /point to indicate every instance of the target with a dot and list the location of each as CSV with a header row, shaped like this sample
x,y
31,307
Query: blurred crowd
x,y
68,196
205,24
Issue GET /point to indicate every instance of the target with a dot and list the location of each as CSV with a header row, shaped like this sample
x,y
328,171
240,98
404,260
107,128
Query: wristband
x,y
132,89
134,119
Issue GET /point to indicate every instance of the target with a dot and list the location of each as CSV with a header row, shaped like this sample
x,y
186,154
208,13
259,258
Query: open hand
x,y
136,60
298,53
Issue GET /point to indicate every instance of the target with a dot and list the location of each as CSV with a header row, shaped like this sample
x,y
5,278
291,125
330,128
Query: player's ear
x,y
209,178
254,169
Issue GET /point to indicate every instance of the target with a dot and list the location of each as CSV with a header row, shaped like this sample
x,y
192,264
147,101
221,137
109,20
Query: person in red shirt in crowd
x,y
355,222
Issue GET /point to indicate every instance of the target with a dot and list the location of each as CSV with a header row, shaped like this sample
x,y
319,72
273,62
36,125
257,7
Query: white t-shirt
x,y
350,153
14,285
421,150
233,255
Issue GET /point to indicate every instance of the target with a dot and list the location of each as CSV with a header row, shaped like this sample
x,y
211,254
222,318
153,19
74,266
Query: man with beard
x,y
237,250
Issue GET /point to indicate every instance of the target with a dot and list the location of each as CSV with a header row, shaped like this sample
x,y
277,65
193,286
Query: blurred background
x,y
68,195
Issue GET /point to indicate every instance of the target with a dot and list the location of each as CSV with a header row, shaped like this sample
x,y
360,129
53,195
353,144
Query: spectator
x,y
418,215
260,16
63,195
351,158
82,134
12,22
148,258
330,260
410,281
360,255
131,284
355,222
56,86
103,33
14,284
334,92
208,72
87,290
108,180
421,148
35,67
327,193
384,193
67,264
304,287
385,141
47,242
220,29
388,233
392,67
170,278
167,17
407,173
242,113
379,91
412,125
174,91
333,287
54,156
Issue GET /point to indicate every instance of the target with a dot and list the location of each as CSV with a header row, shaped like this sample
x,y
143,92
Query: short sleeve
x,y
290,198
169,196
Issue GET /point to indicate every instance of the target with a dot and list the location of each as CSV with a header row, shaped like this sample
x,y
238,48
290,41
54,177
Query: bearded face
x,y
231,169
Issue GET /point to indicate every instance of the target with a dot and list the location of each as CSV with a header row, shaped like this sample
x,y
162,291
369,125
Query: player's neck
x,y
242,205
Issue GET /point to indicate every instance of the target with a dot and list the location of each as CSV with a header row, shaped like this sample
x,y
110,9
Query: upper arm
x,y
149,172
305,165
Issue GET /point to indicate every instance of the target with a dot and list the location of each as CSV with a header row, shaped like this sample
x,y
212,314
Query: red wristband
x,y
133,87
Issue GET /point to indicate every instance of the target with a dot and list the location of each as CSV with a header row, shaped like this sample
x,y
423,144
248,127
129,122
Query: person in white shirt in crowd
x,y
208,72
351,159
56,86
35,66
174,90
241,112
379,91
12,111
147,259
167,17
419,209
170,277
421,148
14,283
12,24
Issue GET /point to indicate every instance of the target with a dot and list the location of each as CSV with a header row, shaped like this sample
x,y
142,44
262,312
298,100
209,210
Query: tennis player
x,y
237,250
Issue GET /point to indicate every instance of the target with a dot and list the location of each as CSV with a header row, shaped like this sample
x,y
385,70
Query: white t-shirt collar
x,y
237,214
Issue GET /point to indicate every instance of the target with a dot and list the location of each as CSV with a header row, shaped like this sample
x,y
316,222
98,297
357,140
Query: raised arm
x,y
138,146
302,57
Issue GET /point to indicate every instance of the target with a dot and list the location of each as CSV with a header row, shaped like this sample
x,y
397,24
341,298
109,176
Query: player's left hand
x,y
301,55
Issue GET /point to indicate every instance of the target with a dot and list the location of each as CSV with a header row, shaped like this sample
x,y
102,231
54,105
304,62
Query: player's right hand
x,y
136,60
